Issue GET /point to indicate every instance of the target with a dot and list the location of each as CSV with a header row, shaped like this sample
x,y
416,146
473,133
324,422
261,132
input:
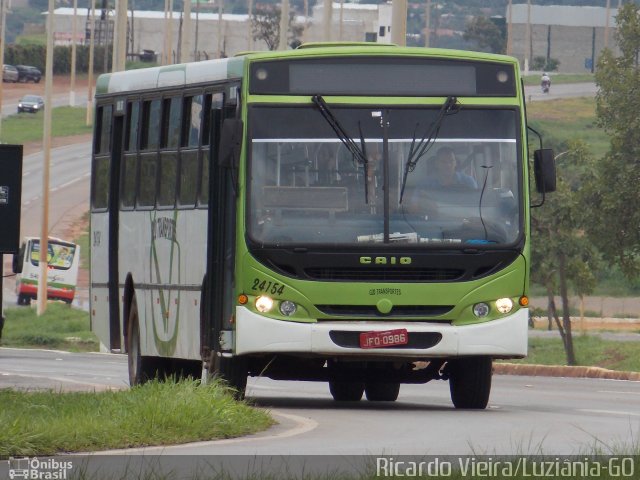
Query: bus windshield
x,y
59,256
307,188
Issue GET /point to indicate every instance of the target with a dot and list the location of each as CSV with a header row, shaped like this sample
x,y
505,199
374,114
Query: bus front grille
x,y
370,311
397,274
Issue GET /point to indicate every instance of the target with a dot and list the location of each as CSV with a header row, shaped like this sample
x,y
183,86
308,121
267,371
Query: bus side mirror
x,y
544,170
230,143
18,260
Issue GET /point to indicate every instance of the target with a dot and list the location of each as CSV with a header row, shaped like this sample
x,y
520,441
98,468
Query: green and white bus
x,y
279,214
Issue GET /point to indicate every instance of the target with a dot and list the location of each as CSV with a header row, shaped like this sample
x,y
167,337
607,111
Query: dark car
x,y
31,103
10,73
28,73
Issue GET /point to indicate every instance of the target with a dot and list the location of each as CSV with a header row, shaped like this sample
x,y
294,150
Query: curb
x,y
563,371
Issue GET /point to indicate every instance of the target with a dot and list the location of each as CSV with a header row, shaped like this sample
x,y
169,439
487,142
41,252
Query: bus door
x,y
219,299
105,309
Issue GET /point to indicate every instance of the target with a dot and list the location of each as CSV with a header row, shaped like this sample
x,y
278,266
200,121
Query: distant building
x,y
575,36
148,29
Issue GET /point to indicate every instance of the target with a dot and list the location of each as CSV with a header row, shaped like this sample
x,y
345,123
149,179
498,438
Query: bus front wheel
x,y
141,369
346,391
382,392
470,382
232,370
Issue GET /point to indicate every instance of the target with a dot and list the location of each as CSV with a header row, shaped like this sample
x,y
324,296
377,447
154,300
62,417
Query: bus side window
x,y
189,177
148,176
101,161
150,141
129,171
212,113
102,143
170,141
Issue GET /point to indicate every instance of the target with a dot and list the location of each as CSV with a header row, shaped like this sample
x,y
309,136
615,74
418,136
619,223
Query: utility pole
x,y
399,22
196,57
606,26
340,37
185,48
284,25
327,14
121,33
3,23
92,35
220,9
250,26
527,46
427,24
46,143
509,28
74,32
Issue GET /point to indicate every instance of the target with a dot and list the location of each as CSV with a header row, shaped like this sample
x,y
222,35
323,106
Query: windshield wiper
x,y
359,152
416,152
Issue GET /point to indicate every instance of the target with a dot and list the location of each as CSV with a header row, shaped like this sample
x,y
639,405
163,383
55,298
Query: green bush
x,y
541,63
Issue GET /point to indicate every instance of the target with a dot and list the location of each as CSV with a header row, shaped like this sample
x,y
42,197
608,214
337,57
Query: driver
x,y
444,173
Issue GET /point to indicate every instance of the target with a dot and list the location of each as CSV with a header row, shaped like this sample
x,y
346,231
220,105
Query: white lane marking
x,y
618,391
609,412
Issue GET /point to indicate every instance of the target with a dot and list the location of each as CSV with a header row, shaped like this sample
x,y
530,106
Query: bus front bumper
x,y
502,338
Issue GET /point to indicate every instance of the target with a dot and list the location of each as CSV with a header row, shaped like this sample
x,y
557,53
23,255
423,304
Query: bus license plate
x,y
388,338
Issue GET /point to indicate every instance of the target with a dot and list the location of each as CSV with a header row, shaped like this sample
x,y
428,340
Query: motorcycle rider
x,y
545,82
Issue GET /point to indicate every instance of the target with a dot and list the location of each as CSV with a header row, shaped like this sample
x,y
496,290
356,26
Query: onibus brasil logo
x,y
40,469
164,259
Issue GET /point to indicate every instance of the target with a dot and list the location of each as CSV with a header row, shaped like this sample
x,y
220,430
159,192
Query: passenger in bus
x,y
444,172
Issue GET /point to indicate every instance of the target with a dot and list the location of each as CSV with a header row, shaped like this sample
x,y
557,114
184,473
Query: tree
x,y
265,25
614,193
486,34
562,255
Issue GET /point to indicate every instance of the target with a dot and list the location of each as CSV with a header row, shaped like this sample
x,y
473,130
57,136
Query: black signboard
x,y
10,195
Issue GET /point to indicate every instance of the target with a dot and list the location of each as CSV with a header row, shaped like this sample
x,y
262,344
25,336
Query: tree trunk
x,y
551,308
566,320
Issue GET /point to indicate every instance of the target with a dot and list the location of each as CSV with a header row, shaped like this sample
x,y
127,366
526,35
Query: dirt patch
x,y
12,92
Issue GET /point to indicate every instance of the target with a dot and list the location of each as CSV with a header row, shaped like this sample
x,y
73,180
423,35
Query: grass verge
x,y
157,413
591,351
61,328
560,78
570,118
22,128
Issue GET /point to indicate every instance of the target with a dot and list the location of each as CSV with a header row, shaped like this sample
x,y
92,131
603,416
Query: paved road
x,y
533,93
526,415
68,198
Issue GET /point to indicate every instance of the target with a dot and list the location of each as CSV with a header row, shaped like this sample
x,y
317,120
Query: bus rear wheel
x,y
470,382
141,369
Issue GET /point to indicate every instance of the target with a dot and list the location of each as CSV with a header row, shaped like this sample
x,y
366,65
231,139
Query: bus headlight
x,y
504,305
481,309
264,304
288,308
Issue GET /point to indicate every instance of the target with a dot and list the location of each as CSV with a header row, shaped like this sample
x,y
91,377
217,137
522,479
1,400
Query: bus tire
x,y
346,391
141,369
470,382
23,300
382,392
233,371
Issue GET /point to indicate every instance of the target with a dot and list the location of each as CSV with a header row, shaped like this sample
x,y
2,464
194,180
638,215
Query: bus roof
x,y
180,75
